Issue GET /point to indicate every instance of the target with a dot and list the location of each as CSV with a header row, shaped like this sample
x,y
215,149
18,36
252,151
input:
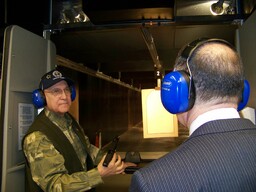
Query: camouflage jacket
x,y
61,159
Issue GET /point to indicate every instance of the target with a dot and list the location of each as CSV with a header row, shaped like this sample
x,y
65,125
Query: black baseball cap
x,y
53,77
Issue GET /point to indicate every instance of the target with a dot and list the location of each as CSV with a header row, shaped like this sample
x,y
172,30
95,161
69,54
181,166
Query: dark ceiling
x,y
124,49
134,39
131,39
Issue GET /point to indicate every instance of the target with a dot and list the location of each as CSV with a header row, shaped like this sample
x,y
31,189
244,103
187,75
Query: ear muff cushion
x,y
38,98
73,92
175,93
245,96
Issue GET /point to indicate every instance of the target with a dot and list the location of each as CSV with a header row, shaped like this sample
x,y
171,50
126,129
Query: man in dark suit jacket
x,y
205,91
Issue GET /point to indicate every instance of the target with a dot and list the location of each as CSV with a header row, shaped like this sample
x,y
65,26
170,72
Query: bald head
x,y
217,72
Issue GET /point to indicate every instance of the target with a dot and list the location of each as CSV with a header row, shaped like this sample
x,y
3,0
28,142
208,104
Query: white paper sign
x,y
25,119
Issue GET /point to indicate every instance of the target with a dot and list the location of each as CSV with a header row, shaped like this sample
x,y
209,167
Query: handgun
x,y
111,151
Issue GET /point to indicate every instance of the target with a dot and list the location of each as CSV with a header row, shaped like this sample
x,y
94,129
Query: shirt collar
x,y
223,113
61,121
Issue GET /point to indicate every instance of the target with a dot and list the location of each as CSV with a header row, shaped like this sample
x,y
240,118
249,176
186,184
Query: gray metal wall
x,y
247,47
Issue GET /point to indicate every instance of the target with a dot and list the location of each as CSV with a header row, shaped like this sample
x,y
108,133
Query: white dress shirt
x,y
223,113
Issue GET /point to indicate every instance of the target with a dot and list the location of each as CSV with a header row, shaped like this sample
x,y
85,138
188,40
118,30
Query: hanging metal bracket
x,y
149,40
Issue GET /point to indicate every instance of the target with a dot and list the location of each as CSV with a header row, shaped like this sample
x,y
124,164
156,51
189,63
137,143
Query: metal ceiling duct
x,y
128,10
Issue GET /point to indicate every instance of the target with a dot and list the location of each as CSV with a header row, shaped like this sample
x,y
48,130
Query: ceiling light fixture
x,y
217,8
231,9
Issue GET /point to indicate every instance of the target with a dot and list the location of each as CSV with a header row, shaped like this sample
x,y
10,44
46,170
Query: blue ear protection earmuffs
x,y
245,96
38,97
177,95
177,89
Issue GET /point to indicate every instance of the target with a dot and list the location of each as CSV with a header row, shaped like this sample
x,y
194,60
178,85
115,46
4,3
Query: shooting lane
x,y
109,108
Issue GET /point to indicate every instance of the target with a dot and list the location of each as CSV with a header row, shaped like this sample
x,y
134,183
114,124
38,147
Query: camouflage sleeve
x,y
101,152
48,169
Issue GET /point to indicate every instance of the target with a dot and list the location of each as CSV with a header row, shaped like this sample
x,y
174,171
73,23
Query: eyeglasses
x,y
58,92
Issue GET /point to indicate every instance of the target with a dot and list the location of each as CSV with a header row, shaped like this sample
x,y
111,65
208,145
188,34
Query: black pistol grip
x,y
111,152
108,158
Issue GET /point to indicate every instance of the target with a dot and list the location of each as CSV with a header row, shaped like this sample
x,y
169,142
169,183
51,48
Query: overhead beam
x,y
149,40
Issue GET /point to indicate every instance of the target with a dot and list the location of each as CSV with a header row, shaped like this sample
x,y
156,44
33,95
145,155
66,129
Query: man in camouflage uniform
x,y
59,156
